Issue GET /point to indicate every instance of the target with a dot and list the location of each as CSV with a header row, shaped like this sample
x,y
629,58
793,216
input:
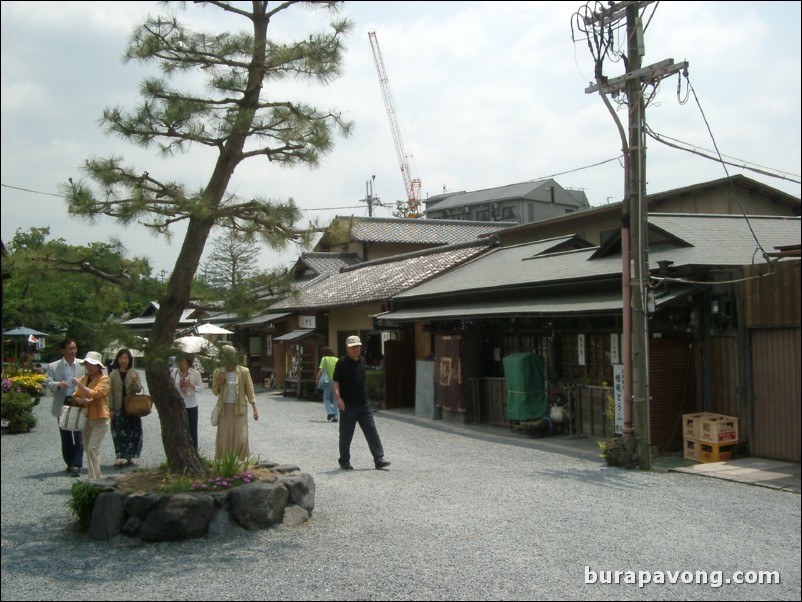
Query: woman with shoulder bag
x,y
126,430
234,389
325,382
92,392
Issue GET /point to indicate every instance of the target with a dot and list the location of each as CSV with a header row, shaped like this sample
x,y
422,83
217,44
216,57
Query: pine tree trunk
x,y
182,457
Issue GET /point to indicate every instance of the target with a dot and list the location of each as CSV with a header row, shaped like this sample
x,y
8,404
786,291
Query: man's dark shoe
x,y
382,464
346,466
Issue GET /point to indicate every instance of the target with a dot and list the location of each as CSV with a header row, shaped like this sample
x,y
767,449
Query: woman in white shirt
x,y
188,381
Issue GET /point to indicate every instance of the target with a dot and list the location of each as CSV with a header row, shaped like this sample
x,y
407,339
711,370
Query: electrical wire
x,y
662,139
562,173
33,191
724,166
661,279
60,196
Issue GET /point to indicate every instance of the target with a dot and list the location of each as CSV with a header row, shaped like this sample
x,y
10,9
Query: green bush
x,y
82,502
17,409
374,383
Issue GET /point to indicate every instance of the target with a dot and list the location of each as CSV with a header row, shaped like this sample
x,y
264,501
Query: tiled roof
x,y
148,318
327,263
539,190
376,281
415,231
714,240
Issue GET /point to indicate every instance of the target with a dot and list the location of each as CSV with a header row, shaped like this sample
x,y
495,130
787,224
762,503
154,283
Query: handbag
x,y
215,415
138,405
324,378
73,418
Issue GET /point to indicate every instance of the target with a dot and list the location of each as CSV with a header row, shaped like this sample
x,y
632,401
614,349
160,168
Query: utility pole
x,y
369,198
634,222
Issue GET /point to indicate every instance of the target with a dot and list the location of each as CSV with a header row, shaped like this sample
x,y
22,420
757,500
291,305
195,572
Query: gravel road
x,y
454,518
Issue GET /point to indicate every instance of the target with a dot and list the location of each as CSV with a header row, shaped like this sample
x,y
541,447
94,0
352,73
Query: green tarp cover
x,y
525,375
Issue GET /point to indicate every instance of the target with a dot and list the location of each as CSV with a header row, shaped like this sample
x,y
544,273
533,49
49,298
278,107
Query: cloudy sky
x,y
488,94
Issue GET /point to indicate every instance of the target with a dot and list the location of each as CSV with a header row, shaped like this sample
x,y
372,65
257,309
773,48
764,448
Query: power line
x,y
724,166
562,173
60,196
781,175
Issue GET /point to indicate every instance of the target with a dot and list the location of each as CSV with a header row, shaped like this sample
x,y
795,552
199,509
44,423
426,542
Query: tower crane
x,y
411,185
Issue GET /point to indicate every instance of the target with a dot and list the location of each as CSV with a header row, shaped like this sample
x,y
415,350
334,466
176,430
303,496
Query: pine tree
x,y
237,118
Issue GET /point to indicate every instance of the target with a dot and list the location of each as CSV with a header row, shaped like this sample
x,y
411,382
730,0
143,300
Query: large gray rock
x,y
222,525
294,516
107,515
258,505
302,490
140,505
179,516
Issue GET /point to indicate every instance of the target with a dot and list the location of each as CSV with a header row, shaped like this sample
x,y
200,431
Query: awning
x,y
263,319
296,335
597,303
22,331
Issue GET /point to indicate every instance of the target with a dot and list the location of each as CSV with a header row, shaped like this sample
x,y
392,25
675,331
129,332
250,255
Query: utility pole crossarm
x,y
647,74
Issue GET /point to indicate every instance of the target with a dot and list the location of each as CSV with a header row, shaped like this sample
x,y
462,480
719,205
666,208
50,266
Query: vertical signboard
x,y
615,351
618,397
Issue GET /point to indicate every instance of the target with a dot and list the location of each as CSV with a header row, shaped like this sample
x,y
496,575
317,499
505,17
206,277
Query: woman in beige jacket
x,y
234,389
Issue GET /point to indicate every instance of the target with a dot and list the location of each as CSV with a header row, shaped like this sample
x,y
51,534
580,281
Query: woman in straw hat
x,y
92,391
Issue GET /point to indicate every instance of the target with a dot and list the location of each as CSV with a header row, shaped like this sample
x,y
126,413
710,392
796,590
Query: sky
x,y
487,94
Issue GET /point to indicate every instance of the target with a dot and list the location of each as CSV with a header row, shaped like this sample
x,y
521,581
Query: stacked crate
x,y
709,437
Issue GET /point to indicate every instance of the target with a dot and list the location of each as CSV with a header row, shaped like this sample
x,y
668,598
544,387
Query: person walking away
x,y
352,400
92,391
126,430
234,389
58,380
188,381
327,363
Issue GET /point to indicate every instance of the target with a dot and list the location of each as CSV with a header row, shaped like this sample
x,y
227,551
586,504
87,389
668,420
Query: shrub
x,y
227,472
82,502
16,408
374,385
229,465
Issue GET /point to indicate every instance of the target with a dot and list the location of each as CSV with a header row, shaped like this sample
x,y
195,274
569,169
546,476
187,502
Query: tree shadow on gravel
x,y
615,478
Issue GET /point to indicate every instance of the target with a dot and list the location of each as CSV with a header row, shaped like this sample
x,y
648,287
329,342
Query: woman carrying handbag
x,y
91,391
126,430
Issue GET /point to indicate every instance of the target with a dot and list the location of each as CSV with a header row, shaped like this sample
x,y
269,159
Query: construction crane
x,y
411,185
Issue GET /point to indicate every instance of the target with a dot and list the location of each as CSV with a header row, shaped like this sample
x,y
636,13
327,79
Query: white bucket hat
x,y
93,357
352,341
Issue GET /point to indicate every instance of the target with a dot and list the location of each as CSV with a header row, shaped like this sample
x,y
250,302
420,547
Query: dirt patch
x,y
156,480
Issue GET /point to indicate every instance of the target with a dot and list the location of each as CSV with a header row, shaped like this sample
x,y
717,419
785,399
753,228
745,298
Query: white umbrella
x,y
193,344
211,329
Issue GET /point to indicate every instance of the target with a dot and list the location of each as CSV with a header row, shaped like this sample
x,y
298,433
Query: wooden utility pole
x,y
634,222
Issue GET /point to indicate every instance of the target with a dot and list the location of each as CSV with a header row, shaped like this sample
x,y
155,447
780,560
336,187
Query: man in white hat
x,y
352,400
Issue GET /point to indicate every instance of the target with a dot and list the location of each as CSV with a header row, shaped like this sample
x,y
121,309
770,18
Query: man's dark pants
x,y
72,447
363,416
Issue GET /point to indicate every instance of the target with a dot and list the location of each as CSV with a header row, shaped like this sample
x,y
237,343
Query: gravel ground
x,y
454,518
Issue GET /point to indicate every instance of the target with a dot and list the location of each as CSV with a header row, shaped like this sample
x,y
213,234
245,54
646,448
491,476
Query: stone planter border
x,y
287,498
